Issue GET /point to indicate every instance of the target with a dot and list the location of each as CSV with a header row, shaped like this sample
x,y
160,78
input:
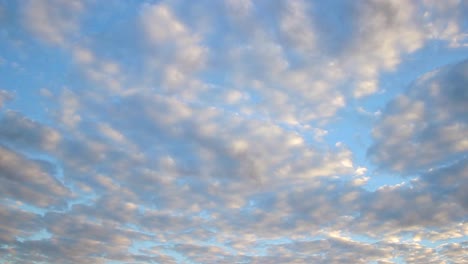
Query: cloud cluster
x,y
180,134
429,116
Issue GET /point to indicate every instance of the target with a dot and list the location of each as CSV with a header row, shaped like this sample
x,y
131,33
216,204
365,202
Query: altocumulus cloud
x,y
233,131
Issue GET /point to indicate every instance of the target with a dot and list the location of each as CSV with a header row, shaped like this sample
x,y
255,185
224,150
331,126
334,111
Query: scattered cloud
x,y
173,132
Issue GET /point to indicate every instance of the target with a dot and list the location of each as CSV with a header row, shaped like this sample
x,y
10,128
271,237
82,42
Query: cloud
x,y
426,126
174,51
446,22
22,132
5,96
17,223
240,8
395,209
220,163
448,181
383,32
422,133
178,133
30,181
296,27
53,21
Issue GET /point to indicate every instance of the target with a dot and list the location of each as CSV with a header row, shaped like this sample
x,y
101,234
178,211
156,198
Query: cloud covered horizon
x,y
233,131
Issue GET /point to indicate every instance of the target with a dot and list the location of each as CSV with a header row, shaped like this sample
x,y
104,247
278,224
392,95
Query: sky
x,y
234,131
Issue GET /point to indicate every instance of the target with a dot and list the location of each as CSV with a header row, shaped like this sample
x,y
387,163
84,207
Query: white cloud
x,y
360,171
173,49
385,31
446,21
365,88
83,55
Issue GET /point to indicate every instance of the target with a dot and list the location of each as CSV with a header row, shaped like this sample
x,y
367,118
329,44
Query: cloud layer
x,y
176,132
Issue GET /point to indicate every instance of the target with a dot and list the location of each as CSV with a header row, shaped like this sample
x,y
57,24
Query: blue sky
x,y
233,131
